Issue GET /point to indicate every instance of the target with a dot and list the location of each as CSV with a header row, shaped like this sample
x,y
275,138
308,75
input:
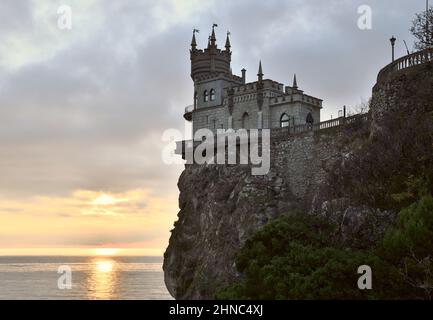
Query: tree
x,y
422,29
295,257
409,245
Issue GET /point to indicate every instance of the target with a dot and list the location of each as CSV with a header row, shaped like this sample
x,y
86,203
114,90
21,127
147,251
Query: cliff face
x,y
221,206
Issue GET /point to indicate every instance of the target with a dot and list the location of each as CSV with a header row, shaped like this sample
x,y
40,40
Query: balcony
x,y
188,113
410,61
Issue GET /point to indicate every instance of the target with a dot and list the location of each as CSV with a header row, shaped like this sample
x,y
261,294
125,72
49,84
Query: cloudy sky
x,y
82,111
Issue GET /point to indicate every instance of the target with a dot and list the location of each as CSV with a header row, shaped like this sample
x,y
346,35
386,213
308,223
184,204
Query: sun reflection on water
x,y
102,279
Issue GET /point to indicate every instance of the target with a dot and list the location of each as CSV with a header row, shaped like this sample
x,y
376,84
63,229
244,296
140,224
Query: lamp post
x,y
393,39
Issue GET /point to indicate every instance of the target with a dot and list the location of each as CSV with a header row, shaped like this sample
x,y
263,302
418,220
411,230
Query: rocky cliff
x,y
221,206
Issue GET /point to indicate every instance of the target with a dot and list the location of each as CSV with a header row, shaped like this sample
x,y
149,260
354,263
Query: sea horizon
x,y
44,277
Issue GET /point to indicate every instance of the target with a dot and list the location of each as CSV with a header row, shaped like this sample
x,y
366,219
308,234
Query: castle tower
x,y
210,61
211,73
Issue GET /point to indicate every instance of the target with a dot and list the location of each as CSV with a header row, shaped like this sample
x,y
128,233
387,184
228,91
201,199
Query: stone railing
x,y
319,126
281,133
409,61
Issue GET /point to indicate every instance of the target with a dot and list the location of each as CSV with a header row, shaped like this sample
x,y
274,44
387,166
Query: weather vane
x,y
195,31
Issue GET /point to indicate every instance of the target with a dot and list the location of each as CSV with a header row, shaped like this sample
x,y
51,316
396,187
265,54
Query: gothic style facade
x,y
223,100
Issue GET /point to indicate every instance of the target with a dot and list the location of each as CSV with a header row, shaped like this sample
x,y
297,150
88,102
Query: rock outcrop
x,y
221,206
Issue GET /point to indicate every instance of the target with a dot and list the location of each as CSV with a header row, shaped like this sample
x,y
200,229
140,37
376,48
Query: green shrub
x,y
409,245
295,258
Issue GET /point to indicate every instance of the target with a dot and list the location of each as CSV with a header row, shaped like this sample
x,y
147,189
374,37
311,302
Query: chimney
x,y
244,76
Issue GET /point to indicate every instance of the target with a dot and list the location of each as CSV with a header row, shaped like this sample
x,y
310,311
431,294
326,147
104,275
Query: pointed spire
x,y
194,42
295,82
260,74
228,45
213,37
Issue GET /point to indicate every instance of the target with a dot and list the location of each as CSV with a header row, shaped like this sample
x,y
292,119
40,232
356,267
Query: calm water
x,y
119,278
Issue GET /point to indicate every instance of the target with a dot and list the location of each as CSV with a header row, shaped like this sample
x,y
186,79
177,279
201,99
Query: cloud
x,y
88,218
85,109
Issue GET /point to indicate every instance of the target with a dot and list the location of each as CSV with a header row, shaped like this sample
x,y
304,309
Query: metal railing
x,y
411,60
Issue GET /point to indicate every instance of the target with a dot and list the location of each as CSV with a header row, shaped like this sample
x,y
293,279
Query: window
x,y
310,119
195,99
205,96
246,121
284,121
212,95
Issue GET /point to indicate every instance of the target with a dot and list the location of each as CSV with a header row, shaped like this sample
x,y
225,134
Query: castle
x,y
223,100
222,206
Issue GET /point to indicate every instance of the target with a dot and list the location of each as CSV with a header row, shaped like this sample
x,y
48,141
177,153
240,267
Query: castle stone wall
x,y
248,106
410,90
303,160
204,118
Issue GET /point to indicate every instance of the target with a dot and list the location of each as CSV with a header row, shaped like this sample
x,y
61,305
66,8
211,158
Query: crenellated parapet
x,y
210,60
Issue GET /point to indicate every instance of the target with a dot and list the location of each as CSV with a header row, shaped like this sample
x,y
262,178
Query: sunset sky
x,y
82,111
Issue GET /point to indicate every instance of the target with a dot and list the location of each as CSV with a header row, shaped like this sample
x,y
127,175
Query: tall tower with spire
x,y
209,61
211,73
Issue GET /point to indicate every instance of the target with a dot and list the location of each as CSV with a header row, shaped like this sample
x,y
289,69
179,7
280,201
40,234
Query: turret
x,y
210,61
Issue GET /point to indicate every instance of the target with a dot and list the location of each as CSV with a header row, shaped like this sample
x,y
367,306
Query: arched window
x,y
212,95
246,121
205,96
284,121
310,119
195,99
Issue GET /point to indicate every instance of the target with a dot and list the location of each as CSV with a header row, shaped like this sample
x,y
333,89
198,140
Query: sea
x,y
82,278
